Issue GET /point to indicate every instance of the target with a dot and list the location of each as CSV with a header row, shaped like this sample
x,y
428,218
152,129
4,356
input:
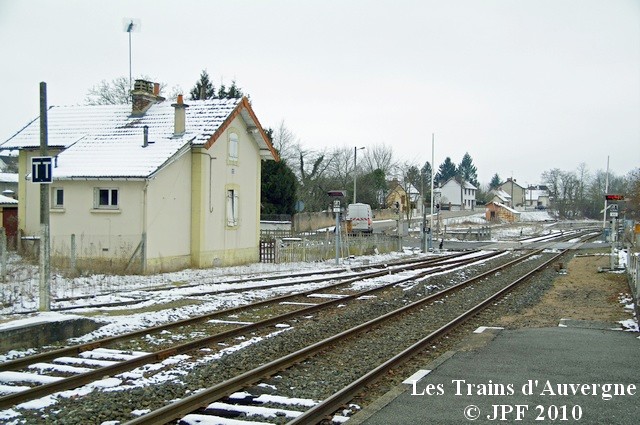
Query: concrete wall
x,y
312,221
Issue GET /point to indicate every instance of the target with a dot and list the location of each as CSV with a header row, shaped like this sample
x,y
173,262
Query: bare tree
x,y
286,143
379,157
115,92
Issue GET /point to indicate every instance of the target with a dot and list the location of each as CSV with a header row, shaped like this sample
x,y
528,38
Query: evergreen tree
x,y
495,182
467,170
413,176
278,188
234,91
203,89
446,171
372,188
426,175
222,91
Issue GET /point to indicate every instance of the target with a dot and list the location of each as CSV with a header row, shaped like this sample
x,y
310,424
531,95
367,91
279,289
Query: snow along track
x,y
49,385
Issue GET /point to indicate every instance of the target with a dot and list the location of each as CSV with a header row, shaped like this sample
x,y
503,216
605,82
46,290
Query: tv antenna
x,y
130,25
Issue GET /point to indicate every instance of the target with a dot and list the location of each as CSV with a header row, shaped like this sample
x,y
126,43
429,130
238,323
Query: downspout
x,y
143,248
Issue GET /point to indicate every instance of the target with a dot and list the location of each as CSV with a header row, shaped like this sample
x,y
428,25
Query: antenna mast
x,y
131,25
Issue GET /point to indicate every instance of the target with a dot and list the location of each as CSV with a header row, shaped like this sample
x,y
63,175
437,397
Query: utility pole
x,y
433,138
355,170
45,247
606,190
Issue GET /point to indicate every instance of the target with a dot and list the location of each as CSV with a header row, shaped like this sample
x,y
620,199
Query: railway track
x,y
122,359
345,343
251,282
114,361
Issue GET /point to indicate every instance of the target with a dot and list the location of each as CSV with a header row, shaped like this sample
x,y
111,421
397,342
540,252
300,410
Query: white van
x,y
360,217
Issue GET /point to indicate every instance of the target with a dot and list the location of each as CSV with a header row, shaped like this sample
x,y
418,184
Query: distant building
x,y
514,190
498,212
458,195
500,196
537,197
406,195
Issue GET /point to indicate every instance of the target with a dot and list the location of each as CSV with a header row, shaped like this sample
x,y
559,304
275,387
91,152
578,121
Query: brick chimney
x,y
144,94
179,123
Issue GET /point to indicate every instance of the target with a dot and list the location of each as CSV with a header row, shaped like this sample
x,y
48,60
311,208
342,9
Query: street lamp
x,y
355,170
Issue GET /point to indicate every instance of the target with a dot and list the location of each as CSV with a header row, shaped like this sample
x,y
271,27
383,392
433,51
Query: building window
x,y
106,198
232,207
233,147
57,198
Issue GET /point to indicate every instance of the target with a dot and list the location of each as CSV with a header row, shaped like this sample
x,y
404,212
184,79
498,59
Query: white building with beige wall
x,y
153,186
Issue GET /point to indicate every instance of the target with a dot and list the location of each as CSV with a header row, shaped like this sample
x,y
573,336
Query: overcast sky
x,y
523,86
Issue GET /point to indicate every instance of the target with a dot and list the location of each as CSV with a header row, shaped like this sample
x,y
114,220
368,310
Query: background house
x,y
154,184
537,197
498,212
396,194
500,196
516,192
458,194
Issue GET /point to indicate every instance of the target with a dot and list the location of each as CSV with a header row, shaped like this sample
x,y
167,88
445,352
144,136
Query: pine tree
x,y
222,92
234,91
203,88
279,185
467,170
446,171
426,175
495,181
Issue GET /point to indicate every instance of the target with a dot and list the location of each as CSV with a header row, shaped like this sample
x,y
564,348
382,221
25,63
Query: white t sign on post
x,y
41,169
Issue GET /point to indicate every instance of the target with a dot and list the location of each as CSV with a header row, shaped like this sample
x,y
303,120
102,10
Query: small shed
x,y
496,211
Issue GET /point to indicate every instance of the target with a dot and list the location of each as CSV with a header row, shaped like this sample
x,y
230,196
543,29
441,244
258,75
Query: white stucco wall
x,y
168,216
223,244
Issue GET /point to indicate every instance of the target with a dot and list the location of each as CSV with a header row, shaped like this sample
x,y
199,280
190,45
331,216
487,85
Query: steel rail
x,y
202,398
87,377
77,349
378,266
334,402
338,399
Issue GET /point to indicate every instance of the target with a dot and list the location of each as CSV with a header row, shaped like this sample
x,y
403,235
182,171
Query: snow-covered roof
x,y
536,194
467,184
5,200
502,195
506,207
8,177
107,140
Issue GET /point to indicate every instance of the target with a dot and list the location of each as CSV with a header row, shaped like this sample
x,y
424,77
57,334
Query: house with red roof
x,y
151,186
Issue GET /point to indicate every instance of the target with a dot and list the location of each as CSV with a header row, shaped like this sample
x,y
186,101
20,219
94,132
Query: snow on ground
x,y
19,294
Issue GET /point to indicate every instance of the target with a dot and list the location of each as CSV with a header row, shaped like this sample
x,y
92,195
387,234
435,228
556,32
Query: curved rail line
x,y
203,398
131,362
435,266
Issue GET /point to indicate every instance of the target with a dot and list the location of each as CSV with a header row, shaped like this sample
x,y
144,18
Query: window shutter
x,y
230,199
236,205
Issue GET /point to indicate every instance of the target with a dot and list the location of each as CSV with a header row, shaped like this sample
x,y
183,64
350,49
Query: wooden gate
x,y
10,224
267,250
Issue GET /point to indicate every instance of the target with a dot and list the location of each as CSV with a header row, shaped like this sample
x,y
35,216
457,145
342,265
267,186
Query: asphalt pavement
x,y
579,372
